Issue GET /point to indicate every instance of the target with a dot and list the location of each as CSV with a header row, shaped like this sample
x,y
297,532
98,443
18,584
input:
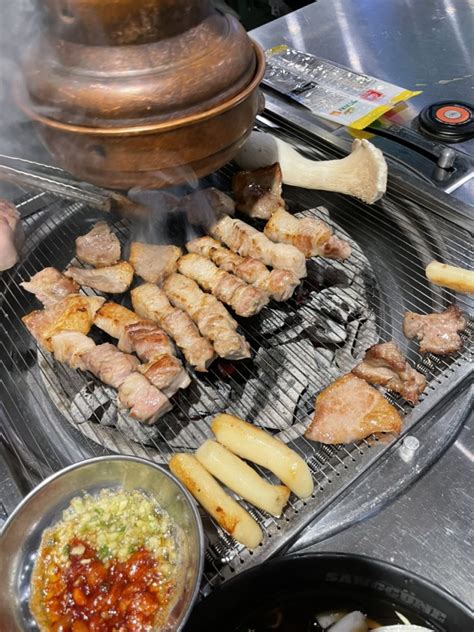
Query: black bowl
x,y
285,593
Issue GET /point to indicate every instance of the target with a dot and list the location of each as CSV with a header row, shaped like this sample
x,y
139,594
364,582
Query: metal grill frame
x,y
334,469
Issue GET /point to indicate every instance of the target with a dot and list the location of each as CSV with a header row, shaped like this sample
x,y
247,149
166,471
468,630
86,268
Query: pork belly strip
x,y
109,365
50,286
114,279
211,317
153,263
250,242
278,284
311,236
349,409
151,303
144,401
246,300
73,313
166,373
70,346
115,369
384,364
99,247
145,339
148,341
437,333
142,337
113,318
258,192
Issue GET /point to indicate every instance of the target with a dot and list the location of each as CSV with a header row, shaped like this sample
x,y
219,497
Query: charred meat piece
x,y
145,401
70,346
113,318
278,284
438,332
166,373
258,192
114,279
250,242
150,302
73,313
349,409
153,263
99,247
50,286
245,300
211,317
109,364
146,339
205,206
384,364
311,236
11,235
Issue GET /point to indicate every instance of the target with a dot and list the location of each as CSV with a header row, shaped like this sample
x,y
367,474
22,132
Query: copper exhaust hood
x,y
140,92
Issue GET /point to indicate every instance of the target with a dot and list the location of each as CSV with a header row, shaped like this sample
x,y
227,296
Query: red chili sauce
x,y
114,597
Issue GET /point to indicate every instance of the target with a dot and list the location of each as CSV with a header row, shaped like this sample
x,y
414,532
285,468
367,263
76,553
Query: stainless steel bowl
x,y
21,535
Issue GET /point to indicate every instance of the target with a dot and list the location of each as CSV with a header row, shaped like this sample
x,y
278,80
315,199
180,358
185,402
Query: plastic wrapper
x,y
331,91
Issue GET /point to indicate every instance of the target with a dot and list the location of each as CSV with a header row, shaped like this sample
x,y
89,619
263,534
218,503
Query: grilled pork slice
x,y
438,332
70,346
350,409
250,242
146,339
311,236
150,302
258,192
109,364
50,286
245,300
145,401
154,263
73,313
278,284
384,364
99,247
166,373
211,317
114,279
113,318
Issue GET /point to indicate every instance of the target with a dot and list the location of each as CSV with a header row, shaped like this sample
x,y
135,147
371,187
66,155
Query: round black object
x,y
285,593
449,121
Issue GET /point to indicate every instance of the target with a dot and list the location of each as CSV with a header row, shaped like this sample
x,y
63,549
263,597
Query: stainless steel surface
x,y
22,532
429,529
411,44
393,240
402,167
432,514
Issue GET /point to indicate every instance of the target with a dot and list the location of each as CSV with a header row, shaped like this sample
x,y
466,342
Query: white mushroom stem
x,y
362,174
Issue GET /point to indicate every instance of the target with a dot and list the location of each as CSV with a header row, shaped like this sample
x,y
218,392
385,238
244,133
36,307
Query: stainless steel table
x,y
427,46
418,45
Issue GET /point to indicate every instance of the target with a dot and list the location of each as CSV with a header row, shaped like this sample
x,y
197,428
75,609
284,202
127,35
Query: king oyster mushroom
x,y
362,174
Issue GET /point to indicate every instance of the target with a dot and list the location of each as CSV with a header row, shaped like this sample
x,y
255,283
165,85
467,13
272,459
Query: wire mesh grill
x,y
384,278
